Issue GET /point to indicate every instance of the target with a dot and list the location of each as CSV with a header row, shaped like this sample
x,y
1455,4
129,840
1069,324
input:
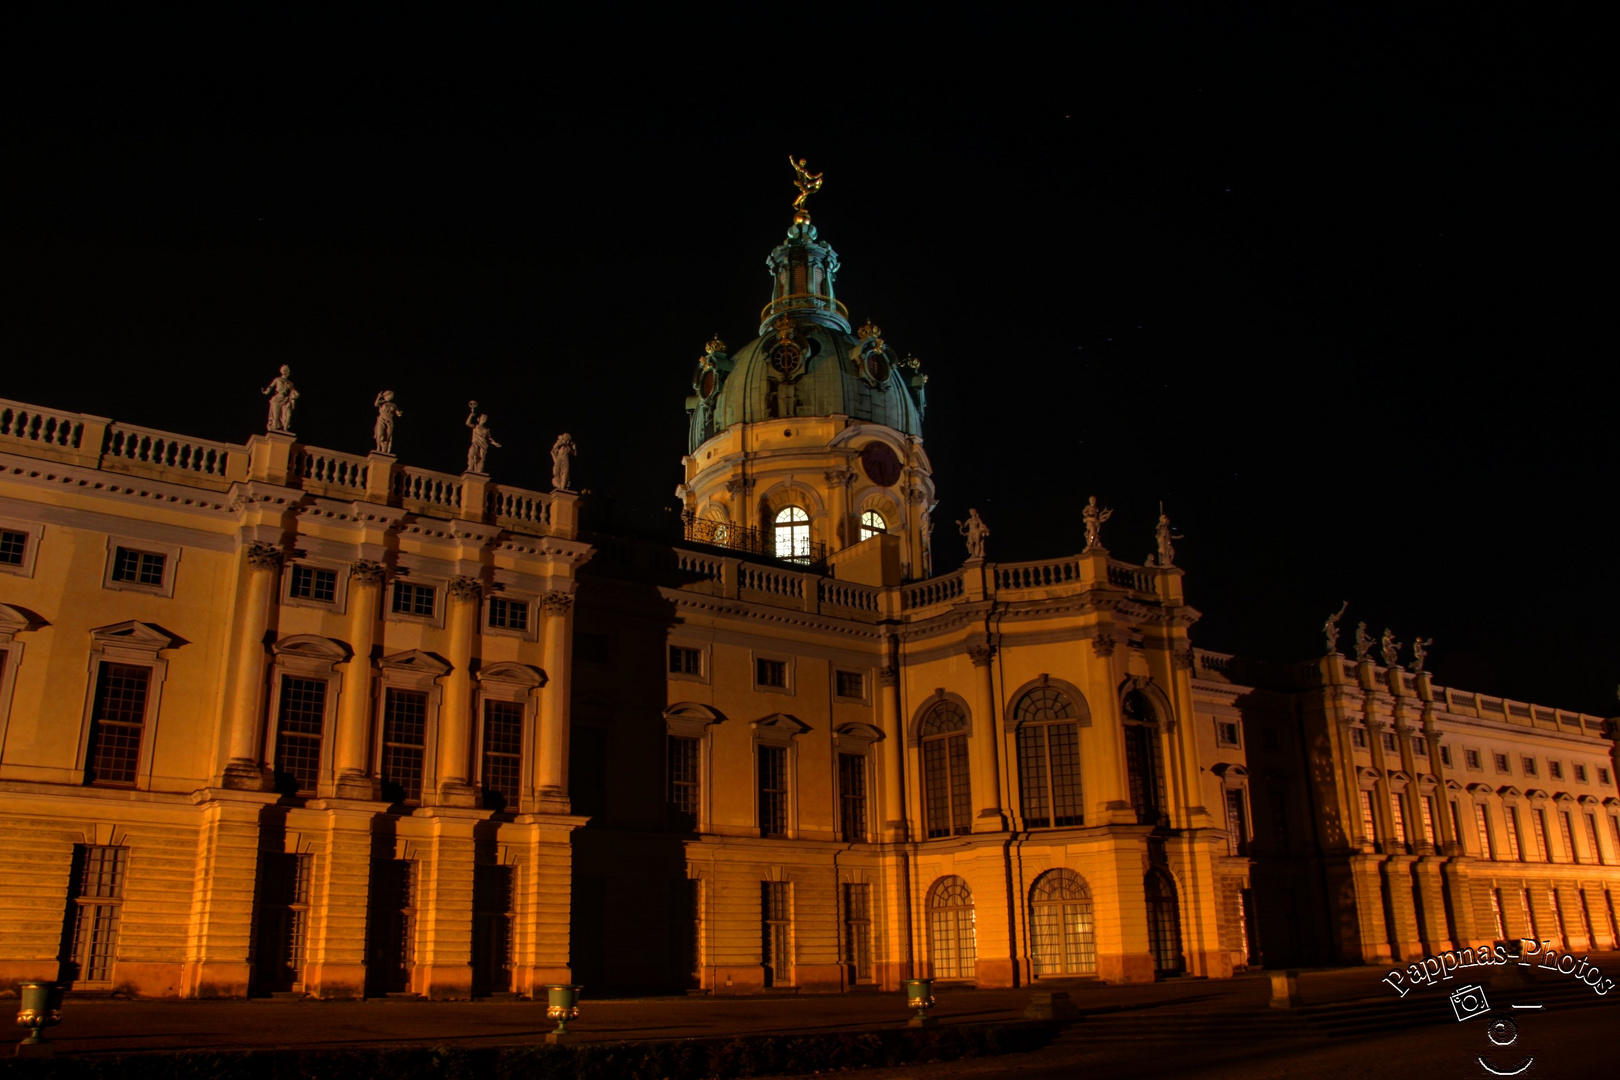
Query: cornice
x,y
719,605
54,476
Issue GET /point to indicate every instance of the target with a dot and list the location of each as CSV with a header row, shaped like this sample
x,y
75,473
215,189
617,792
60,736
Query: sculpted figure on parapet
x,y
1390,648
1420,653
1364,643
1094,517
561,451
1331,628
1163,535
387,412
282,395
482,440
974,530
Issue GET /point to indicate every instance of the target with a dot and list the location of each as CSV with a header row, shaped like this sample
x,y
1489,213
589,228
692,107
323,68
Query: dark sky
x,y
1324,284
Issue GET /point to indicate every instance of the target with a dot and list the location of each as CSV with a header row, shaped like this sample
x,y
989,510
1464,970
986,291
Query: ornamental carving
x,y
888,677
556,603
367,572
981,654
466,588
743,484
1103,644
839,476
264,556
1183,659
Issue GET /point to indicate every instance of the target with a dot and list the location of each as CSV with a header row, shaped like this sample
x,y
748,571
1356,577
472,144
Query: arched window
x,y
1049,759
1062,938
872,523
1142,757
951,949
792,533
1164,922
947,794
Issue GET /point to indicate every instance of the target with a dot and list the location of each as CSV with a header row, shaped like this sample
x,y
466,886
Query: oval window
x,y
880,464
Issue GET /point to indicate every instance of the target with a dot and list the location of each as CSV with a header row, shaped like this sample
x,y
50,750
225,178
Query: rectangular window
x,y
1420,746
1502,765
1487,844
1358,737
1529,766
412,599
13,546
1445,756
1472,758
95,902
1529,907
1398,806
1049,775
946,786
852,796
300,722
505,614
1555,770
1614,827
138,567
684,661
1369,826
1603,777
1512,813
404,738
282,921
851,684
1538,825
311,583
1226,733
1496,913
1580,774
1592,838
1567,831
776,909
1558,917
503,753
858,931
1456,823
117,720
1426,810
1389,742
773,793
770,673
683,780
1237,838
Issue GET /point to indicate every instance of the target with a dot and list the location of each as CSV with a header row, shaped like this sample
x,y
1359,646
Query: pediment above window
x,y
415,662
1508,791
782,724
312,647
512,673
14,621
857,730
133,637
1535,794
691,710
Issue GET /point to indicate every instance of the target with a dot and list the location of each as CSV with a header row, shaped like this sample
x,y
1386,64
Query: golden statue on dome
x,y
808,185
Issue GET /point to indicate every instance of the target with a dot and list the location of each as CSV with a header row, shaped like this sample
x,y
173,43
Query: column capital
x,y
981,654
368,572
556,602
466,588
261,556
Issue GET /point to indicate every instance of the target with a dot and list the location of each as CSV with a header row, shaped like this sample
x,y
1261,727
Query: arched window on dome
x,y
792,533
872,523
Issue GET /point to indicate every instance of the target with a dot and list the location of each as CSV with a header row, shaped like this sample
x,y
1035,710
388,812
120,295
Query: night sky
x,y
1325,287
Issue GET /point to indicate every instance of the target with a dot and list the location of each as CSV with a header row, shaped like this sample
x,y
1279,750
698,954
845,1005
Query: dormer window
x,y
792,533
872,524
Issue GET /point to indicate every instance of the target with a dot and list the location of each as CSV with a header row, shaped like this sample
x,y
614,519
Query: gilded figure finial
x,y
808,185
715,345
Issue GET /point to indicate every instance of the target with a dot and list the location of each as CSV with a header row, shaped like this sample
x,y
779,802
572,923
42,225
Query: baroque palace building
x,y
275,718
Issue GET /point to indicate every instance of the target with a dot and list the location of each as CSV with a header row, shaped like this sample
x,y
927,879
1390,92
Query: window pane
x,y
12,547
1032,776
116,723
773,790
961,805
852,796
1063,743
683,779
503,751
299,722
404,731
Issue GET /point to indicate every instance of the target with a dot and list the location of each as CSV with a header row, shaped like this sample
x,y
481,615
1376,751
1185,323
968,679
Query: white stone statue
x,y
1331,628
282,395
1364,642
1420,653
1162,533
1390,648
482,440
387,413
561,451
1094,516
974,530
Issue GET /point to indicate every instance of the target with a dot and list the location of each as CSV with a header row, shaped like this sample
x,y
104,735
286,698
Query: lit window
x,y
1580,773
1529,766
946,809
1049,761
872,523
770,673
1358,736
413,599
851,684
1502,765
309,583
1368,828
792,534
1399,820
1472,758
137,567
507,614
1226,733
13,545
684,661
1555,770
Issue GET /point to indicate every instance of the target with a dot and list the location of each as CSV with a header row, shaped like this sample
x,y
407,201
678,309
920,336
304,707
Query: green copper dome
x,y
806,361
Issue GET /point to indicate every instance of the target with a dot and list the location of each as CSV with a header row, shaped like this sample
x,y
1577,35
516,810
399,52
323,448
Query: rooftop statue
x,y
1167,550
1094,519
1331,628
282,396
808,185
1420,653
482,440
561,451
1390,648
975,530
387,413
1364,643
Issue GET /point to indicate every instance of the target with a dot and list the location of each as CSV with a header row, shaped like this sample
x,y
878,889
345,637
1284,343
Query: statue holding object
x,y
387,412
1390,648
1420,653
974,530
1094,517
561,451
1162,533
1364,643
482,440
282,395
1331,628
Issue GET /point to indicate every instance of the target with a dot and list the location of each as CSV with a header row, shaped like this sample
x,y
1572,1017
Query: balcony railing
x,y
752,541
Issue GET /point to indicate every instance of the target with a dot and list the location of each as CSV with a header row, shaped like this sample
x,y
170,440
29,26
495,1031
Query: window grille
x,y
872,524
792,534
1529,766
311,583
1237,839
1398,819
1513,837
503,752
773,793
1426,811
1502,765
1389,741
851,684
1062,933
1538,825
858,931
300,721
852,796
1580,773
412,599
683,780
1226,732
1369,825
117,721
1471,757
777,910
1164,922
138,567
1555,770
1049,759
770,673
505,614
946,791
404,739
951,941
95,903
1358,737
684,661
1487,844
13,546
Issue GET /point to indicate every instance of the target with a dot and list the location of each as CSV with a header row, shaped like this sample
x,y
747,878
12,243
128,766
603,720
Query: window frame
x,y
689,720
778,732
137,644
33,533
517,684
1080,720
436,619
1473,759
12,623
863,674
498,595
866,531
791,526
171,564
702,650
81,902
340,588
755,656
919,744
1503,763
306,656
419,671
857,740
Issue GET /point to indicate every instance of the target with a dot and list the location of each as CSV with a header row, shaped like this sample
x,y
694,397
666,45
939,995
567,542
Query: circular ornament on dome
x,y
785,358
708,384
877,366
879,464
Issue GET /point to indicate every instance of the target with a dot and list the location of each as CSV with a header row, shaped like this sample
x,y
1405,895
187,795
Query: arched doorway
x,y
951,947
1164,923
1062,936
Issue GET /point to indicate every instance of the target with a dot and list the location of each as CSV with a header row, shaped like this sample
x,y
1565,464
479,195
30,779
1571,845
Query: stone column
x,y
894,751
842,535
353,764
244,770
455,710
558,630
987,784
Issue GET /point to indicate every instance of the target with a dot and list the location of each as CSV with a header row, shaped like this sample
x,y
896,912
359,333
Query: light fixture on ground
x,y
40,1008
562,1005
920,996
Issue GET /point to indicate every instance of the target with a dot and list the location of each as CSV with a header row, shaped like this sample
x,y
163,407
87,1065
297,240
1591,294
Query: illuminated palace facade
x,y
275,718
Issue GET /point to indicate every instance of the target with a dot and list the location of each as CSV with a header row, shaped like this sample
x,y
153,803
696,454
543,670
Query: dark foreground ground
x,y
1351,1025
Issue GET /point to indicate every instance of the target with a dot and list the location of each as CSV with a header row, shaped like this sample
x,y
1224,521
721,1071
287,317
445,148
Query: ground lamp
x,y
920,996
41,1008
562,1005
